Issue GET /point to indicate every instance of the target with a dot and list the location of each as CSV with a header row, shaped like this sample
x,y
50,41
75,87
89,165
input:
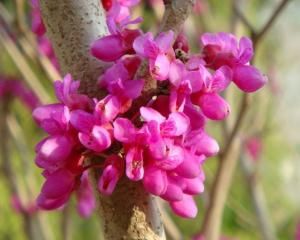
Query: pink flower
x,y
184,83
92,134
248,78
159,52
45,48
181,42
111,174
224,49
119,44
213,105
135,141
67,93
117,81
37,24
254,147
118,15
200,143
14,87
56,190
175,125
53,152
86,202
185,208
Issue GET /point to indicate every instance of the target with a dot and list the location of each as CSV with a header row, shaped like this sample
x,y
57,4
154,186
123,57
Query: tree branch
x,y
258,199
176,12
228,158
72,25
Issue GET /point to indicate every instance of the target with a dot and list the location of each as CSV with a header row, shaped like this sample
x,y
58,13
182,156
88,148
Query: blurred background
x,y
265,194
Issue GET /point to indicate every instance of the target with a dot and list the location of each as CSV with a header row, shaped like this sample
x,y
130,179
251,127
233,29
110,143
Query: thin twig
x,y
8,169
66,222
23,66
258,198
271,21
241,16
29,46
227,163
171,228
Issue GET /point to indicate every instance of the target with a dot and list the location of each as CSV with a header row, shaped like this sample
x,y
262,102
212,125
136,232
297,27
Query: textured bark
x,y
72,25
176,12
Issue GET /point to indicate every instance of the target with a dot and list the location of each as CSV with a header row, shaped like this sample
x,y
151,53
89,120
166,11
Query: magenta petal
x,y
140,43
248,78
108,108
194,186
51,203
82,121
213,106
133,88
173,193
186,208
245,50
149,114
55,148
124,130
165,40
160,67
47,111
189,168
174,158
57,184
155,181
134,164
176,72
108,180
181,122
221,79
195,80
100,47
201,143
98,140
197,119
86,202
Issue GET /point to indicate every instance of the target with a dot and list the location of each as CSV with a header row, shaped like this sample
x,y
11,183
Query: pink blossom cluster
x,y
164,143
11,87
61,154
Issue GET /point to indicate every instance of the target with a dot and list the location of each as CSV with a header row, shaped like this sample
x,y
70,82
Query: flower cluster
x,y
163,143
61,153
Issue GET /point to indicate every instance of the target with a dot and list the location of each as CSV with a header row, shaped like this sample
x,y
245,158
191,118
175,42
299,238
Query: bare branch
x,y
18,58
227,163
270,22
176,12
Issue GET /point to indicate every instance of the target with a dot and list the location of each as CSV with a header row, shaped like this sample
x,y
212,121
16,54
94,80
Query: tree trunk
x,y
72,25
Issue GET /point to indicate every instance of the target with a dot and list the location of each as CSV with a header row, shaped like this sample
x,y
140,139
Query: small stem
x,y
270,22
24,68
258,199
172,230
7,167
66,223
212,220
228,158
